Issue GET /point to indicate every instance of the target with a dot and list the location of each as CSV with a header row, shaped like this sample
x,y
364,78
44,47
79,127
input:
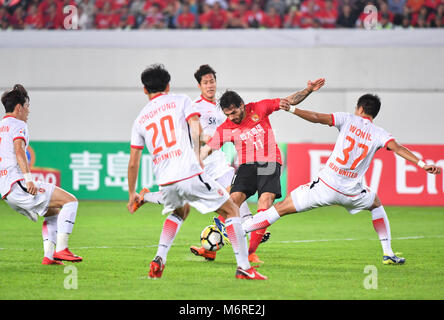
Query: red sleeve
x,y
268,105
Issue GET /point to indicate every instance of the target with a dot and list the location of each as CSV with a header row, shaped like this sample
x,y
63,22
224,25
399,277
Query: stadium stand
x,y
217,14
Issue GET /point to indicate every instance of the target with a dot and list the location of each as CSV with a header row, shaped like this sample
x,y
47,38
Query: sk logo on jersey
x,y
211,120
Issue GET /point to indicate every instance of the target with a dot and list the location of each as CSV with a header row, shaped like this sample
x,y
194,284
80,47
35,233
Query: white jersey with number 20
x,y
162,126
357,143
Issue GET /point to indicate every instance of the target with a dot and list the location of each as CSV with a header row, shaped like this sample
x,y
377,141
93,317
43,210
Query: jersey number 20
x,y
169,141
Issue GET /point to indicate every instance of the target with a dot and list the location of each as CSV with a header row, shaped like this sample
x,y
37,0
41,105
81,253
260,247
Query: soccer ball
x,y
211,238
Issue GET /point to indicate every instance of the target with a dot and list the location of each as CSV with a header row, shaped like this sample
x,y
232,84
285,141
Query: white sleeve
x,y
20,132
190,108
384,138
137,140
339,119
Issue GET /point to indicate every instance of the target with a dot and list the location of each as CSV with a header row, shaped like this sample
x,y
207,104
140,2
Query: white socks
x,y
382,228
49,235
238,241
65,223
261,220
170,229
244,211
153,197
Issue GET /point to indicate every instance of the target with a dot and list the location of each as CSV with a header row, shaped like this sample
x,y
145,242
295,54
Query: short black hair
x,y
203,70
11,98
230,98
371,104
155,78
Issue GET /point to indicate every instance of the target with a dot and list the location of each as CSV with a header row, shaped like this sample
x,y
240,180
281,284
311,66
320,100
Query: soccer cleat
x,y
266,237
253,258
221,227
208,255
393,260
156,268
138,204
47,261
67,255
250,274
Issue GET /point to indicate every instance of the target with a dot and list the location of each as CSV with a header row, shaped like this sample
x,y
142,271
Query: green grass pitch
x,y
320,254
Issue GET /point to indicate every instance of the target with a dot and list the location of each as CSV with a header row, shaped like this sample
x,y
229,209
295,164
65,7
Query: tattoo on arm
x,y
298,97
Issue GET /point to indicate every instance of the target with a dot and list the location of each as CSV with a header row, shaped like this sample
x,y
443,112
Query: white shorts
x,y
201,192
27,204
226,179
317,194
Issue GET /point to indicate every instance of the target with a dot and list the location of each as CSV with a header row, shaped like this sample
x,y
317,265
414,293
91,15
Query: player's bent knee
x,y
376,203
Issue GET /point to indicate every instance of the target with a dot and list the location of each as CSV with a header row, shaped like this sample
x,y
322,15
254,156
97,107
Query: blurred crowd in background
x,y
218,14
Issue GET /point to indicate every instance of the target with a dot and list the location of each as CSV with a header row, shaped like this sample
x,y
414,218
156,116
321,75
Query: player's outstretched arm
x,y
300,96
312,116
20,153
402,151
133,172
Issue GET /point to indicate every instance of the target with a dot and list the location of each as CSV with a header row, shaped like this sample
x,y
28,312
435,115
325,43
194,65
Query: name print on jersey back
x,y
162,127
356,145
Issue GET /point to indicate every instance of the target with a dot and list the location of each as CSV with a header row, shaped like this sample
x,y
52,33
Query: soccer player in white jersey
x,y
169,126
26,196
216,165
340,182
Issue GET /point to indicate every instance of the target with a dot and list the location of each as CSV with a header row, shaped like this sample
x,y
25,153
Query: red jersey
x,y
253,138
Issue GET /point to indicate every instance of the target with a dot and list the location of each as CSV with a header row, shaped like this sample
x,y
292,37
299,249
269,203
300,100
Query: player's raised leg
x,y
66,216
145,195
382,228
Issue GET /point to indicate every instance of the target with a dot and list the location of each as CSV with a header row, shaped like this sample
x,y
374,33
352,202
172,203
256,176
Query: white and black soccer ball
x,y
211,239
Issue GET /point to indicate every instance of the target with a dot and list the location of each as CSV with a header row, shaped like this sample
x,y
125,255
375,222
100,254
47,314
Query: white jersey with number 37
x,y
162,126
357,143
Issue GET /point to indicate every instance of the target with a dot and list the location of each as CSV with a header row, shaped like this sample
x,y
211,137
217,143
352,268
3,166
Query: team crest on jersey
x,y
221,193
255,117
22,132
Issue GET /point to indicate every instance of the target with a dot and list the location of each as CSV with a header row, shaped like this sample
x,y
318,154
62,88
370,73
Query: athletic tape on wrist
x,y
421,164
28,177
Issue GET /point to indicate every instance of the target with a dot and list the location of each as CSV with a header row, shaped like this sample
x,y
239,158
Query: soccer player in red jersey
x,y
248,128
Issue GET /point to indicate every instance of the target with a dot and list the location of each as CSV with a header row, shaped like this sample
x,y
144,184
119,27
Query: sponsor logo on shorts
x,y
42,190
